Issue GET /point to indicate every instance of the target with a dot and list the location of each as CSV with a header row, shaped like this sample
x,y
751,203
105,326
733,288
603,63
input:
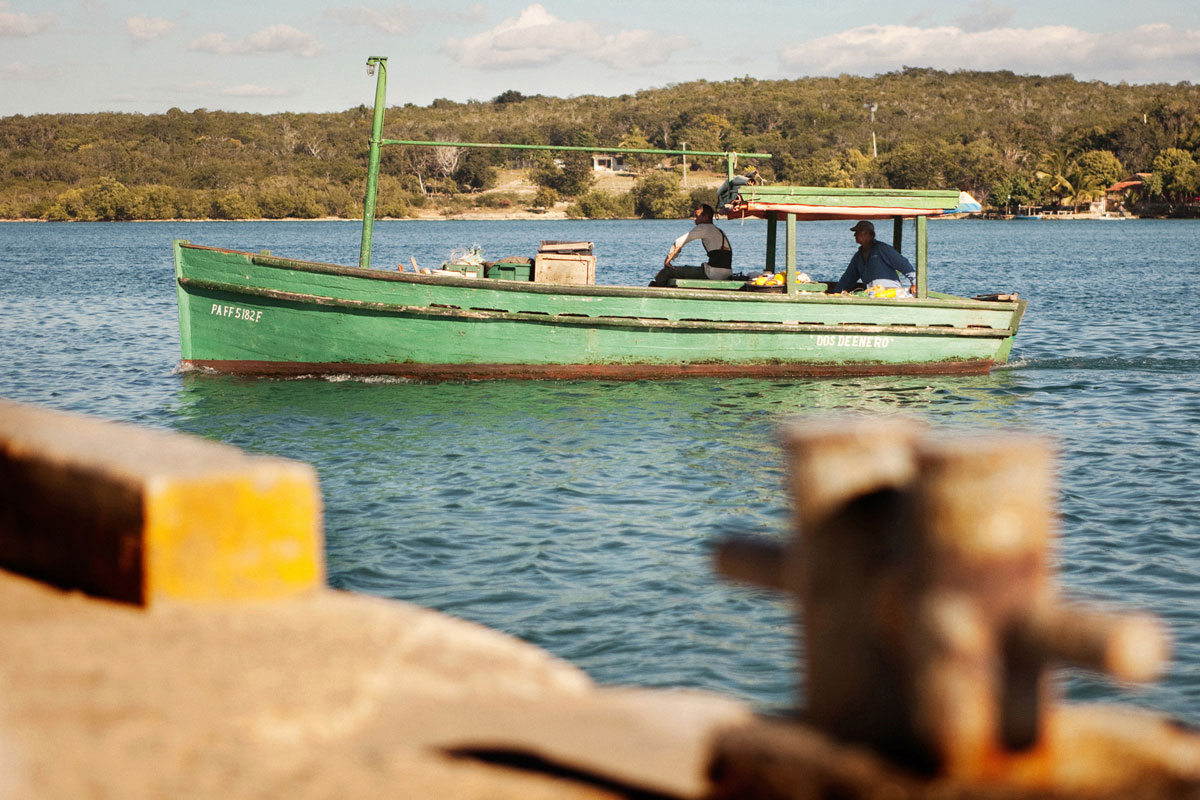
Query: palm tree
x,y
1057,172
1088,188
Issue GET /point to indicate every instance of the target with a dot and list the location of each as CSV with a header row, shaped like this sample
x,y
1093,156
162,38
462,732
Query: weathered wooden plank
x,y
141,515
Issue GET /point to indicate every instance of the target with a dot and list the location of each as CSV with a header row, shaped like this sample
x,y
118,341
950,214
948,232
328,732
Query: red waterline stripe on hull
x,y
612,372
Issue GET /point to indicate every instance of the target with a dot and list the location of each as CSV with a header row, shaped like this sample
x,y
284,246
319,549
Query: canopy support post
x,y
897,232
791,253
922,257
772,219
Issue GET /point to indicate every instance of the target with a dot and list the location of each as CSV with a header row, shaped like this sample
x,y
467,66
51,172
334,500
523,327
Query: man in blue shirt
x,y
876,264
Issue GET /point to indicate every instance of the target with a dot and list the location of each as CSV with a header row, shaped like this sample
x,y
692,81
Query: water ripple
x,y
581,516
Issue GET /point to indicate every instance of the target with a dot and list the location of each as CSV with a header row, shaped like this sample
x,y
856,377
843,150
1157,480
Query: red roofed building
x,y
1122,193
1121,186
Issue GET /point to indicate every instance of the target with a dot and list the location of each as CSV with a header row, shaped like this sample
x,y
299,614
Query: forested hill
x,y
990,133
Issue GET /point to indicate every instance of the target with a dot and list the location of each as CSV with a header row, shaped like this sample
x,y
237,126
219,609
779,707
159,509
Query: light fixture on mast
x,y
873,107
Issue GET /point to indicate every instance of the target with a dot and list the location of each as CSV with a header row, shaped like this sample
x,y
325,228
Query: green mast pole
x,y
364,252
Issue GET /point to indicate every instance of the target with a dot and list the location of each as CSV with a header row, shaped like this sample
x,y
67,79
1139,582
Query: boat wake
x,y
1107,364
347,377
192,369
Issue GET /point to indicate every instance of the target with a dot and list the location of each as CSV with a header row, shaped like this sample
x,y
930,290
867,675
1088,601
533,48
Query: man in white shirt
x,y
718,267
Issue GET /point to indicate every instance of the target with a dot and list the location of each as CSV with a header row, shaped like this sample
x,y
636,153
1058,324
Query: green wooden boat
x,y
256,313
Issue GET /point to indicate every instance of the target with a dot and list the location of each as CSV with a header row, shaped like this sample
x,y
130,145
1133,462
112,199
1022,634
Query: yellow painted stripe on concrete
x,y
140,515
260,540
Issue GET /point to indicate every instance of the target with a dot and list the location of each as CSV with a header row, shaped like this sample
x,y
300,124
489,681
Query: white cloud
x,y
1150,50
250,90
275,39
637,48
283,39
147,29
216,43
195,87
880,48
537,38
984,16
15,70
398,19
1156,43
476,12
22,24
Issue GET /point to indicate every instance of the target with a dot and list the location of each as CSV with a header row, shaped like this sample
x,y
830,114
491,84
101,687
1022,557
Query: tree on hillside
x,y
1080,179
602,205
106,200
704,132
915,165
545,197
571,174
636,140
1057,172
962,129
570,177
1101,165
509,96
1177,121
974,167
1087,188
445,159
1014,190
475,172
852,170
1153,185
657,195
1179,173
419,162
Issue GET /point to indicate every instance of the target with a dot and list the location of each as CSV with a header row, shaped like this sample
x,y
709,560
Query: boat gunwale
x,y
725,295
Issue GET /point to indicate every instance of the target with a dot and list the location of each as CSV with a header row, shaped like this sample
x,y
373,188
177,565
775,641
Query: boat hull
x,y
257,314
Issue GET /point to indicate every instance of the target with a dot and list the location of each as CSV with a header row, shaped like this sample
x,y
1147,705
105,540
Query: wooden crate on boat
x,y
511,269
565,262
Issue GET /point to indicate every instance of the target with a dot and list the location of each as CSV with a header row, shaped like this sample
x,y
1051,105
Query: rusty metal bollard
x,y
930,615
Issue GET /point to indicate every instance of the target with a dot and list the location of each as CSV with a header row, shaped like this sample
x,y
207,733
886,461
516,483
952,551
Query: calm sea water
x,y
580,516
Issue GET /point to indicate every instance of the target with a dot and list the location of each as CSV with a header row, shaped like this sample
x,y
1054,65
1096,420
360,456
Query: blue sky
x,y
308,55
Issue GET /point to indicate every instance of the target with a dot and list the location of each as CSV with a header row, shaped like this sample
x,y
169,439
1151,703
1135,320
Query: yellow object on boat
x,y
776,279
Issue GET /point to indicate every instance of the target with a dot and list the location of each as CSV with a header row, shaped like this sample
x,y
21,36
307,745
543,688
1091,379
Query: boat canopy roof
x,y
817,202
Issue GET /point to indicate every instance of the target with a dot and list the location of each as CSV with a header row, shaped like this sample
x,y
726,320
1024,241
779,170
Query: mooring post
x,y
846,482
929,615
974,568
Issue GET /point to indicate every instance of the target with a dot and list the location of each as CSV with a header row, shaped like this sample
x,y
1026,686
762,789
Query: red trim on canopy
x,y
741,209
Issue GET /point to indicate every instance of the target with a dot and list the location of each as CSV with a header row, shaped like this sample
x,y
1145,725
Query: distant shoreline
x,y
465,216
549,215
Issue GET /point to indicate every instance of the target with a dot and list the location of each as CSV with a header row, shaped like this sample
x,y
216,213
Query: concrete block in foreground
x,y
141,515
329,695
